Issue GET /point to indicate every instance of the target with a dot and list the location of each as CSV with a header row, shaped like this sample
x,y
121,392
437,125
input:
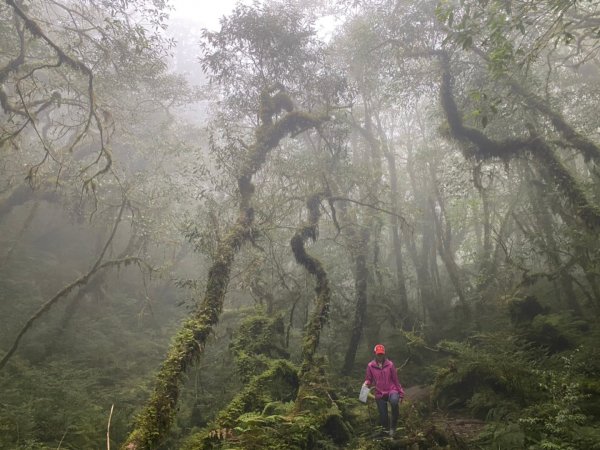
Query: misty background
x,y
211,213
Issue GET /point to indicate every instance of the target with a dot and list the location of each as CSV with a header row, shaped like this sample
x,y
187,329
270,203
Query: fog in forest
x,y
220,224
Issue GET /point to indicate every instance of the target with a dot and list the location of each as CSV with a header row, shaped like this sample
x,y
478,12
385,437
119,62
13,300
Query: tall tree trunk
x,y
390,156
424,260
541,212
360,288
486,219
444,244
21,233
309,230
396,232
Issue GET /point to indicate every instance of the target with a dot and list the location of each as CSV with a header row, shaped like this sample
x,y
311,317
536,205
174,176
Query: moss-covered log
x,y
278,383
156,418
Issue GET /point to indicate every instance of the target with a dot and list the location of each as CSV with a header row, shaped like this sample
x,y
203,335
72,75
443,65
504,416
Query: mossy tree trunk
x,y
155,420
314,398
309,230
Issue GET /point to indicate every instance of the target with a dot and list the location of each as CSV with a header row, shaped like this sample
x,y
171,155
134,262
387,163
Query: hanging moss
x,y
156,419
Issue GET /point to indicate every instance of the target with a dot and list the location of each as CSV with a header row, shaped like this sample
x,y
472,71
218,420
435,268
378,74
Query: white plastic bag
x,y
364,393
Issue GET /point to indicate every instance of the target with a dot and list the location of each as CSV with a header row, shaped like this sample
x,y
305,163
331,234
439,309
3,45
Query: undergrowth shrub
x,y
490,378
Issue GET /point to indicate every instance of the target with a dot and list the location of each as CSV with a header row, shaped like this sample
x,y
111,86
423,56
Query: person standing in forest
x,y
382,375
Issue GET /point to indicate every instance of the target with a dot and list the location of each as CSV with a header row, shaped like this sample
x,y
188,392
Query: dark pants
x,y
382,407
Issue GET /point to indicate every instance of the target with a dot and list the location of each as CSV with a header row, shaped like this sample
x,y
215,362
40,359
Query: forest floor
x,y
435,430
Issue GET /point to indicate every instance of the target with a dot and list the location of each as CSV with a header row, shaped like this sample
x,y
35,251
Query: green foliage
x,y
553,332
489,379
64,402
558,420
524,310
278,384
530,402
258,339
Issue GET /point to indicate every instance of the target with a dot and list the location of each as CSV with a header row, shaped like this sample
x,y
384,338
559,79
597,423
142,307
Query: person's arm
x,y
396,381
368,377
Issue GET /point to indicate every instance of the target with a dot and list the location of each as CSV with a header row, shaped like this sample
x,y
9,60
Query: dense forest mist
x,y
205,232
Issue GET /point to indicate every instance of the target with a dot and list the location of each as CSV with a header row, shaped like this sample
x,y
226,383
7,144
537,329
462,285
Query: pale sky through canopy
x,y
205,12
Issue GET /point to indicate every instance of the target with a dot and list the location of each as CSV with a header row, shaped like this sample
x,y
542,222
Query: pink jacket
x,y
385,379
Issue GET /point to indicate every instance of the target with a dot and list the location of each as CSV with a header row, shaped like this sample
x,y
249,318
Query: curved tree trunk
x,y
314,397
313,266
156,418
485,148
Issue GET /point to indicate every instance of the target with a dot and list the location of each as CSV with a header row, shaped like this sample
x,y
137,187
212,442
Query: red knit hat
x,y
379,349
